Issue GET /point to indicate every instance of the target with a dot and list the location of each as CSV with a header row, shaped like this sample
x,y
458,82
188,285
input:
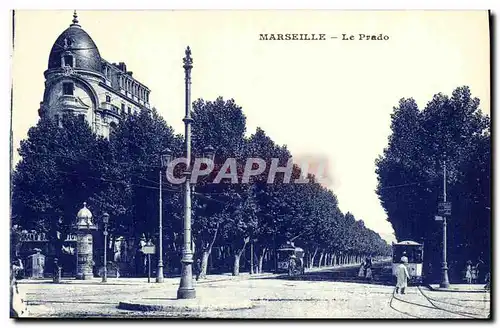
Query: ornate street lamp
x,y
186,289
445,282
165,159
105,220
209,153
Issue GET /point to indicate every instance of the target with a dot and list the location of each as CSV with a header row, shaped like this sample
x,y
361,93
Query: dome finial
x,y
75,19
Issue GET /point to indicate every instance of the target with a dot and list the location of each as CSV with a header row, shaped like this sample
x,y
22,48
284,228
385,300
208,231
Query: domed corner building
x,y
80,82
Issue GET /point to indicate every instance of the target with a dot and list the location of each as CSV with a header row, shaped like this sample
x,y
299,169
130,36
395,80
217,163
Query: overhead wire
x,y
406,184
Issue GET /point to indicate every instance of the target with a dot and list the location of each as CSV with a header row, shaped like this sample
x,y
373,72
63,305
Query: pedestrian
x,y
361,272
428,276
468,272
292,264
17,304
488,281
404,257
478,267
402,275
57,271
198,269
368,268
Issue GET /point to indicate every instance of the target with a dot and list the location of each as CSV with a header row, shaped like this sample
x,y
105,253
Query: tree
x,y
61,167
450,129
221,124
133,198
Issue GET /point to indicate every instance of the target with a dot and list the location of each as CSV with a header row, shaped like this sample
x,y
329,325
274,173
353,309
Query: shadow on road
x,y
381,275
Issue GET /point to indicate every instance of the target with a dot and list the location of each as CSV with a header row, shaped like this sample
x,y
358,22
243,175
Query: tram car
x,y
287,254
415,254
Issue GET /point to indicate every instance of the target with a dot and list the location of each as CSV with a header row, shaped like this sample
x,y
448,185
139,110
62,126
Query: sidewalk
x,y
463,288
142,280
175,280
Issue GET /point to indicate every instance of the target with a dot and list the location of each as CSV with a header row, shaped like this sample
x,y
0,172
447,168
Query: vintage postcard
x,y
250,164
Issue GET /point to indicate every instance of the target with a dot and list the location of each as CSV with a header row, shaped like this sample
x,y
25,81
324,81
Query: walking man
x,y
198,269
402,275
17,303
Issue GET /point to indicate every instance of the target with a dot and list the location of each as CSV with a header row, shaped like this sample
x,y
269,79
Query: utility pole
x,y
251,257
159,272
445,283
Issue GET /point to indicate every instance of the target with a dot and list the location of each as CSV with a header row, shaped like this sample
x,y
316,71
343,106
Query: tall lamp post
x,y
186,289
165,158
105,220
445,283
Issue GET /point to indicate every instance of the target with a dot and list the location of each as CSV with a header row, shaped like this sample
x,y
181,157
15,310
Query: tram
x,y
290,259
415,254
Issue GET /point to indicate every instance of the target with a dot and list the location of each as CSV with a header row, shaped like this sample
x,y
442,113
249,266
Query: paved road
x,y
327,293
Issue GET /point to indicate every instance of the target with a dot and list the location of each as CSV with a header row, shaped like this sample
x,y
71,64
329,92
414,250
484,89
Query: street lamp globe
x,y
105,218
209,152
166,157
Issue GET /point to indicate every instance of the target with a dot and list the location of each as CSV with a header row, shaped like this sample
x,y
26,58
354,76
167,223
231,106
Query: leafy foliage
x,y
62,167
451,129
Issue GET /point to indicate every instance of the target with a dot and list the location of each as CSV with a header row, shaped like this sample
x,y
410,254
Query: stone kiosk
x,y
35,265
84,255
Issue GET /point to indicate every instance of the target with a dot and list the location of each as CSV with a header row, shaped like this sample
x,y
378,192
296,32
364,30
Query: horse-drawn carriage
x,y
291,259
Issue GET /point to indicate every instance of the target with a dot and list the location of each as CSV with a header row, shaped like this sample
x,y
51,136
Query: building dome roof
x,y
76,41
84,219
84,213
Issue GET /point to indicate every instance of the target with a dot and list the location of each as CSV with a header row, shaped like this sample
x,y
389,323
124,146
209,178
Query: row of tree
x,y
452,131
64,165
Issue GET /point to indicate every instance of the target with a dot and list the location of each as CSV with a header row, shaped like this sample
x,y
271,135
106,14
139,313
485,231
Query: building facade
x,y
80,82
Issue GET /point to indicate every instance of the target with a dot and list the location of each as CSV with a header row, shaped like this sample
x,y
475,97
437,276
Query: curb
x,y
451,290
185,306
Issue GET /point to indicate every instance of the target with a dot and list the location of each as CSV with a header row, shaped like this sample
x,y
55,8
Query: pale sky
x,y
324,99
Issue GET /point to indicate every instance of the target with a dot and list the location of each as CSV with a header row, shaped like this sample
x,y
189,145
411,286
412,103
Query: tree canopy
x,y
452,131
63,166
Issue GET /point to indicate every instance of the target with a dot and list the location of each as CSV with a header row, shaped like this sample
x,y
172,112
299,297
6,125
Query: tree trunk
x,y
206,252
320,259
237,256
204,263
312,259
261,259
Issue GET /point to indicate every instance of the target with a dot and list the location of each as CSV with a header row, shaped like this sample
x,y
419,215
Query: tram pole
x,y
445,283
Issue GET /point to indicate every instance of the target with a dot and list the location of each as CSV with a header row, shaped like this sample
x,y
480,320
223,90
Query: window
x,y
68,88
108,98
123,109
68,60
112,127
129,110
81,117
56,119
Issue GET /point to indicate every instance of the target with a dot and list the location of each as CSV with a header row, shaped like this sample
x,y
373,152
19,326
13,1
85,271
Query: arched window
x,y
112,127
68,88
67,60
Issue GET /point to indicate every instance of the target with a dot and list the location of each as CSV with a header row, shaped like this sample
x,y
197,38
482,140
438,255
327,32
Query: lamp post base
x,y
445,282
186,289
159,276
186,293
